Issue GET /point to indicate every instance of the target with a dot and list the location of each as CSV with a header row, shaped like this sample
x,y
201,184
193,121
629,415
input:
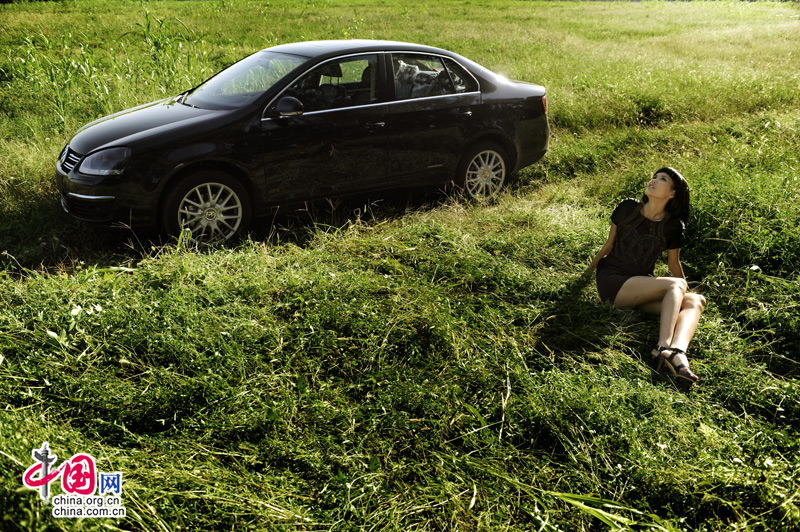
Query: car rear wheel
x,y
483,171
212,205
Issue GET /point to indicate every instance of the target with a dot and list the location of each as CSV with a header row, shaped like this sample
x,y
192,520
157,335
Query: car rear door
x,y
431,116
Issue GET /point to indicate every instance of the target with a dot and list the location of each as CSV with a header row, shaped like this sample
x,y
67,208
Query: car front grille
x,y
70,160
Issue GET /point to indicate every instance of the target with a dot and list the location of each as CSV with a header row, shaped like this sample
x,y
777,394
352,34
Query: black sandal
x,y
679,371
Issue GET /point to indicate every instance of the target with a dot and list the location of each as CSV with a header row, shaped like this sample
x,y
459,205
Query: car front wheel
x,y
483,172
212,205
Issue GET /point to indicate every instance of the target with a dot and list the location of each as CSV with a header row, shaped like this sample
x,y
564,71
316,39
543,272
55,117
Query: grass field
x,y
424,363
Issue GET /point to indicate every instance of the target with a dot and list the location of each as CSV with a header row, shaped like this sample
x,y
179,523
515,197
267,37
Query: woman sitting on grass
x,y
640,232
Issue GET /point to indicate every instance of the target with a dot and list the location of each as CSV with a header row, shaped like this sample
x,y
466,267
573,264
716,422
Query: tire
x,y
483,171
212,205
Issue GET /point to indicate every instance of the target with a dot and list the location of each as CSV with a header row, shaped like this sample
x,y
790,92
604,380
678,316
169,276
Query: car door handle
x,y
376,124
465,113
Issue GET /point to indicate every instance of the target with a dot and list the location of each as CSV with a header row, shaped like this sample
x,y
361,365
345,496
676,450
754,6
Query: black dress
x,y
638,245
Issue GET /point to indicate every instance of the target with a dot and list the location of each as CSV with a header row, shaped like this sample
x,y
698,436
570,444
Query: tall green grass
x,y
424,363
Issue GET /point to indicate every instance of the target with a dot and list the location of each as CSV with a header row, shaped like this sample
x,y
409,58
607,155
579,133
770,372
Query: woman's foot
x,y
676,362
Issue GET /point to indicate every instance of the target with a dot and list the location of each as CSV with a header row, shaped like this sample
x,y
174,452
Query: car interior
x,y
418,80
353,81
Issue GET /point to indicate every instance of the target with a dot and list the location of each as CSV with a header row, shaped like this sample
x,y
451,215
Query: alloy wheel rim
x,y
485,175
211,211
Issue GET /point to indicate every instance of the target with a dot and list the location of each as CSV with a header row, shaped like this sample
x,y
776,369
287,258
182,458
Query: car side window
x,y
462,79
420,75
339,83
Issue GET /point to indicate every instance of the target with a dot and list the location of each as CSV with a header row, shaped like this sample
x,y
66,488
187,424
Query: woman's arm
x,y
606,249
674,262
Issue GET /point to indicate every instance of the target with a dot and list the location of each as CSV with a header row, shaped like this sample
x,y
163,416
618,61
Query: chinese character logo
x,y
110,483
78,475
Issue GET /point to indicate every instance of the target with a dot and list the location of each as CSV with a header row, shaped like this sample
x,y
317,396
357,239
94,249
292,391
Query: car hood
x,y
126,126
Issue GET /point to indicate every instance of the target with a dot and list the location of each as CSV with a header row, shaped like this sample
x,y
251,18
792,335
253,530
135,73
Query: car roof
x,y
321,49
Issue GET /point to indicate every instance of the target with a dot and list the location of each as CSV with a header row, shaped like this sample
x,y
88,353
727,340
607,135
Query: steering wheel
x,y
331,95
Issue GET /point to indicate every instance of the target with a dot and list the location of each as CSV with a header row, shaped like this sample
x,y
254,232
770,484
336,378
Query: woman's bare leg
x,y
663,294
666,296
692,307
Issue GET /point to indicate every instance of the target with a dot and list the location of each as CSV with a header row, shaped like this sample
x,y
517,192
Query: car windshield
x,y
243,82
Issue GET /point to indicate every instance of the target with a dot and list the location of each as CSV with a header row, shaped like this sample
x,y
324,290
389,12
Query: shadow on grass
x,y
582,331
43,237
299,225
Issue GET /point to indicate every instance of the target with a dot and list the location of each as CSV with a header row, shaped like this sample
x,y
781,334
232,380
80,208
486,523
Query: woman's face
x,y
660,187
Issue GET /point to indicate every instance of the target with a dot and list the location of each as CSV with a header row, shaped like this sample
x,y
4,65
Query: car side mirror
x,y
289,106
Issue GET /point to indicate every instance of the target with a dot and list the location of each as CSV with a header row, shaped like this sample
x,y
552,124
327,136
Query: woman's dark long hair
x,y
678,206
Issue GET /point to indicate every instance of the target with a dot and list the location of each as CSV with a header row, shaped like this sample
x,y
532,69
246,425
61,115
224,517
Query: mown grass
x,y
425,363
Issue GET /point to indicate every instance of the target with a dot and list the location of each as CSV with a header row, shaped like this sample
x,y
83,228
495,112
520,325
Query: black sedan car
x,y
299,122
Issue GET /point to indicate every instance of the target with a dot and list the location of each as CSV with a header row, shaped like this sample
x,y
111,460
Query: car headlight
x,y
105,162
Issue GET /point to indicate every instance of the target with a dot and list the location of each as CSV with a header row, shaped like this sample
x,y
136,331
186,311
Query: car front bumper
x,y
105,204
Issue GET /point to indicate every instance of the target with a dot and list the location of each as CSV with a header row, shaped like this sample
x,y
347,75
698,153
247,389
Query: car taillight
x,y
544,103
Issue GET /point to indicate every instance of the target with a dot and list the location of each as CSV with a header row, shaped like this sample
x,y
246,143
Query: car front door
x,y
337,145
430,117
